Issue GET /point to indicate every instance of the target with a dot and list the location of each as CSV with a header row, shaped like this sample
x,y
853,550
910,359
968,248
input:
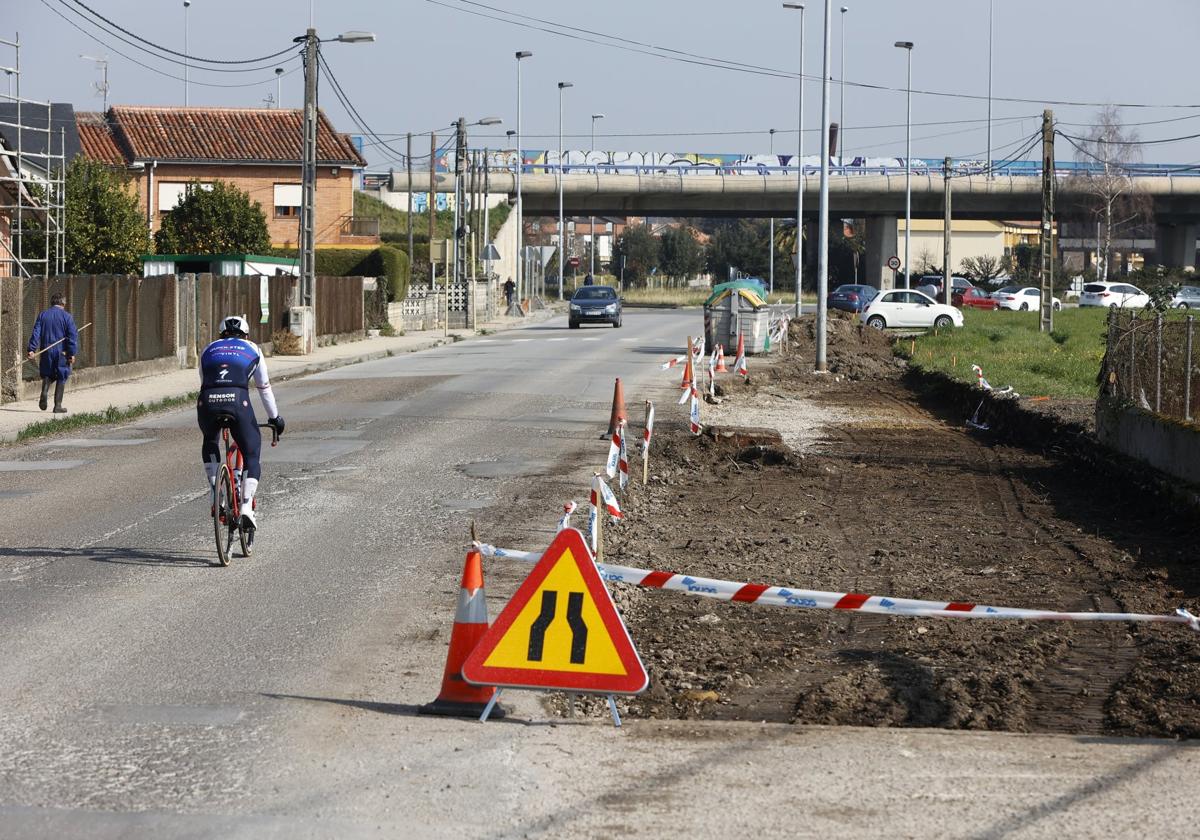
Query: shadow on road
x,y
119,555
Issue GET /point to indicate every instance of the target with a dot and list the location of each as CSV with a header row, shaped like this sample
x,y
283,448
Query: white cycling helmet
x,y
235,324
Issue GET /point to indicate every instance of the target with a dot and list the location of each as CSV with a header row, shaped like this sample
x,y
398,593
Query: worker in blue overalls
x,y
56,340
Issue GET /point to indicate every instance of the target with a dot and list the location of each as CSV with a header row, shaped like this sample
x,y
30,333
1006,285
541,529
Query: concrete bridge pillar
x,y
881,244
1175,244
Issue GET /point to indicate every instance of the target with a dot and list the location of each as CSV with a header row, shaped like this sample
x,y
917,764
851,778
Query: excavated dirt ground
x,y
882,492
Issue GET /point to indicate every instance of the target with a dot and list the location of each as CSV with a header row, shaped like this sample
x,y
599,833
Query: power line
x,y
1157,142
161,48
152,69
724,64
183,63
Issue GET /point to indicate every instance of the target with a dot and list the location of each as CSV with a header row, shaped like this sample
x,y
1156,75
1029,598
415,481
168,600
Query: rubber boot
x,y
58,395
42,402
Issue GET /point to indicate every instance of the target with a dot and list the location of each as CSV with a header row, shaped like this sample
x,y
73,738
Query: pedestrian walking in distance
x,y
56,339
509,288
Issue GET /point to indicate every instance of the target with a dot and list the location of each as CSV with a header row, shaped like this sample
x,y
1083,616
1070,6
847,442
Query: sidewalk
x,y
15,416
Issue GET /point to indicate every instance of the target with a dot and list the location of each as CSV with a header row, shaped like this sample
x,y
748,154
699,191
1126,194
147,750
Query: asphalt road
x,y
147,693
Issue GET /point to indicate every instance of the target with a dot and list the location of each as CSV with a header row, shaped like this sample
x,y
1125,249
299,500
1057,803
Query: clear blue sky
x,y
433,63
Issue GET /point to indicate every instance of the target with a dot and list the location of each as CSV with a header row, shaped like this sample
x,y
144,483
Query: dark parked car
x,y
851,297
973,298
595,305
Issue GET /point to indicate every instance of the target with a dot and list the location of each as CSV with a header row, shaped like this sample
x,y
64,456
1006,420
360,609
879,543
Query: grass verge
x,y
1012,351
112,414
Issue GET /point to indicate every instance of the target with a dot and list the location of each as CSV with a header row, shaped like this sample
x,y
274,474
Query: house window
x,y
287,201
170,193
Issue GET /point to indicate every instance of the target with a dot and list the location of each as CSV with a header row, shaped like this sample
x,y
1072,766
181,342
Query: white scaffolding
x,y
32,179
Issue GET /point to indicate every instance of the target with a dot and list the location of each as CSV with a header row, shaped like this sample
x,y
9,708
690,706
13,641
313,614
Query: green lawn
x,y
1011,351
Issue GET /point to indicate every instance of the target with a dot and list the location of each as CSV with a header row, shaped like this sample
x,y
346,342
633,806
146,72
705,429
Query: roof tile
x,y
241,135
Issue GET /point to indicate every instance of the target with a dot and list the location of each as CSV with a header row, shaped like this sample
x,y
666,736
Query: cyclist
x,y
226,368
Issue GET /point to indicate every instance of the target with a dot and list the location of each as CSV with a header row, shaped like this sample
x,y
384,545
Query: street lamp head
x,y
904,45
510,133
562,85
597,116
845,9
522,54
278,71
356,37
799,6
770,131
489,121
187,3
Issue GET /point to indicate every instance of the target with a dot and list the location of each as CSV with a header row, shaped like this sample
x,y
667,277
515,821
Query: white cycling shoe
x,y
249,522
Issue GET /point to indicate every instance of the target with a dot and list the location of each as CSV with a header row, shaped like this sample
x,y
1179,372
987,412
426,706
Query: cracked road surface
x,y
146,693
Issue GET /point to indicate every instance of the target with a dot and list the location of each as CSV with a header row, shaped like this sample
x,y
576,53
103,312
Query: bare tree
x,y
982,269
1105,192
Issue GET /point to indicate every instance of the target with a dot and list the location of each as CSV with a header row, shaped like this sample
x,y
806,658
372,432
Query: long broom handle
x,y
47,347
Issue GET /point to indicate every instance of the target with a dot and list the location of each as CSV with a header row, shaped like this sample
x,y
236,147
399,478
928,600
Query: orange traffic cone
x,y
618,409
459,698
720,368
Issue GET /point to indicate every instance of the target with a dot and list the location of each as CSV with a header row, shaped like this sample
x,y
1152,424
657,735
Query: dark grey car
x,y
594,305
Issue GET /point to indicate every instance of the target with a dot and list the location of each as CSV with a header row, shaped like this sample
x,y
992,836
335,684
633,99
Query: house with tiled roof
x,y
165,149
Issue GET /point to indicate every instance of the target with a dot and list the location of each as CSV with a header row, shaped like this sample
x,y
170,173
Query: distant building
x,y
164,149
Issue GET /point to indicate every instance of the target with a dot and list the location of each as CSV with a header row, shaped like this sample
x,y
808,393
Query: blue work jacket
x,y
52,325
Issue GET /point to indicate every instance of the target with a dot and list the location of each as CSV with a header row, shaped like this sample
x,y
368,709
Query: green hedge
x,y
384,261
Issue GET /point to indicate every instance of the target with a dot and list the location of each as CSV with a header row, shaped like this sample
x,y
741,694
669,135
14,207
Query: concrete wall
x,y
1167,445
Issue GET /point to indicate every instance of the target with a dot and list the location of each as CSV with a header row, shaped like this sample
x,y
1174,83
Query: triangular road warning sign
x,y
561,630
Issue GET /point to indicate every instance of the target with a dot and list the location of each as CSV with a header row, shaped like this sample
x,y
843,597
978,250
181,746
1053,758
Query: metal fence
x,y
1151,361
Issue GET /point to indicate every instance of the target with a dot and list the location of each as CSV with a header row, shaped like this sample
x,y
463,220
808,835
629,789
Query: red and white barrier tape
x,y
779,596
678,360
649,430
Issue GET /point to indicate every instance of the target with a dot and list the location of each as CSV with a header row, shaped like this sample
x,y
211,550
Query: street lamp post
x,y
842,96
308,178
907,46
799,165
520,54
592,219
771,232
278,87
186,5
562,231
823,206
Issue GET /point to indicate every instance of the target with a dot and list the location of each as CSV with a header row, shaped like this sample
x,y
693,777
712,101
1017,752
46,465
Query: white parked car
x,y
1105,293
1028,298
909,308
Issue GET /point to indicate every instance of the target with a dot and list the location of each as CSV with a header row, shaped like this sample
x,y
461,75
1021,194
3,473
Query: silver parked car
x,y
1187,298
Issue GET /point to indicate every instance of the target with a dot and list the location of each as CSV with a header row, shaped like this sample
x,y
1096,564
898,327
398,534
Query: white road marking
x,y
521,340
556,339
485,341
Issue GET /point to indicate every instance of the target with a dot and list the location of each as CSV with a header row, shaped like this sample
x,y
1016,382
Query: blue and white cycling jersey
x,y
230,363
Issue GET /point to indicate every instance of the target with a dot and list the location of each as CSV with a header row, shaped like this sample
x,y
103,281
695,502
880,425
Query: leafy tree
x,y
682,255
639,248
740,245
220,220
106,230
982,269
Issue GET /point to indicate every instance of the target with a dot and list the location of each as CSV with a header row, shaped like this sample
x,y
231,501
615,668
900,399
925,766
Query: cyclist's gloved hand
x,y
277,424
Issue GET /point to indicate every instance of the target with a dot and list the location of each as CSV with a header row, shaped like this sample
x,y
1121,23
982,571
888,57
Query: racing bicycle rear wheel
x,y
223,515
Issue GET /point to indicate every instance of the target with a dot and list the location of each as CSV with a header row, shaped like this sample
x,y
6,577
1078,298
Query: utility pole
x,y
408,164
771,231
460,169
823,202
947,274
432,203
1047,263
308,189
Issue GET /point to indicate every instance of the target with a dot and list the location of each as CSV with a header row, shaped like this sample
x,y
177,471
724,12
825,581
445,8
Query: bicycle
x,y
227,502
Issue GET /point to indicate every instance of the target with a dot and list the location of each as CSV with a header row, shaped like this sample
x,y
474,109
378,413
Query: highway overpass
x,y
879,198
